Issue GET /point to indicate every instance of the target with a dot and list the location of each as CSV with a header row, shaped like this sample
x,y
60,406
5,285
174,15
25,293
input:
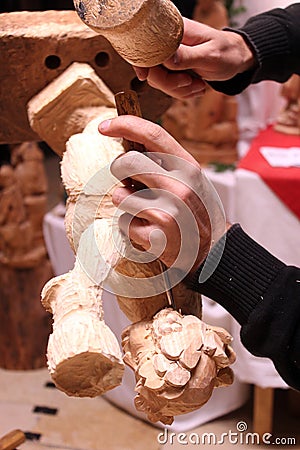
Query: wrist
x,y
247,57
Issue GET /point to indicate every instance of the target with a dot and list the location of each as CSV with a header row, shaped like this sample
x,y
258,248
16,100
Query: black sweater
x,y
274,37
260,291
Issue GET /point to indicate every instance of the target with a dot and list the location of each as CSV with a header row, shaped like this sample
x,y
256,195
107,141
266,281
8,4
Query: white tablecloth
x,y
267,220
249,201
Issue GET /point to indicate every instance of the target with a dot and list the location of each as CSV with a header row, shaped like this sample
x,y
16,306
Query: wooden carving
x,y
37,47
288,120
83,354
178,360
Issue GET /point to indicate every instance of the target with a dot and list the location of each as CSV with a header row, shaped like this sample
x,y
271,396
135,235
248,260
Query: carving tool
x,y
127,103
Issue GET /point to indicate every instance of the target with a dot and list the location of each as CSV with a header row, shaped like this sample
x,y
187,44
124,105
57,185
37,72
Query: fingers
x,y
195,32
188,57
178,84
151,237
139,167
155,206
152,136
136,229
141,72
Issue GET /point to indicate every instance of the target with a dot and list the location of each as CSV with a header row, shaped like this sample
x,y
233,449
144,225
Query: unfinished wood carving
x,y
144,32
22,207
83,354
178,360
288,121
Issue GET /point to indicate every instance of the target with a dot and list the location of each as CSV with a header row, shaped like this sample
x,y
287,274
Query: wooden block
x,y
11,440
36,47
68,104
263,410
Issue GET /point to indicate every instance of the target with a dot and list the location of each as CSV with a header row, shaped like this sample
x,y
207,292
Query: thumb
x,y
186,57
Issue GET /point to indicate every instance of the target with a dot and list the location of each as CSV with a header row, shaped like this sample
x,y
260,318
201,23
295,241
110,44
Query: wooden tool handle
x,y
11,440
128,103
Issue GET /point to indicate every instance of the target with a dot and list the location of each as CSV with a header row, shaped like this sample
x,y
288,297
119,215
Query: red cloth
x,y
284,181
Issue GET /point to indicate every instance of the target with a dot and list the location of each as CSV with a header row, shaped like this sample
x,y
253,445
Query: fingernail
x,y
141,73
104,126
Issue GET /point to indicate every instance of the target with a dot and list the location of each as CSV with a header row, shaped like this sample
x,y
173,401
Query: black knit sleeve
x,y
262,293
274,37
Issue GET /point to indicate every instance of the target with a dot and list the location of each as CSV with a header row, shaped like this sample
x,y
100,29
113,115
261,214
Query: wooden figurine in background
x,y
206,126
288,120
24,265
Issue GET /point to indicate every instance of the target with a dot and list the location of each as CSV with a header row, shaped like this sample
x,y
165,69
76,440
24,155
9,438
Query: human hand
x,y
178,215
213,55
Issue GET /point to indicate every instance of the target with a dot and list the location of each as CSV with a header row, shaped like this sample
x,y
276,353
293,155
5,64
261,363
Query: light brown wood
x,y
263,410
11,440
144,32
24,265
83,355
175,375
294,402
288,121
36,47
68,104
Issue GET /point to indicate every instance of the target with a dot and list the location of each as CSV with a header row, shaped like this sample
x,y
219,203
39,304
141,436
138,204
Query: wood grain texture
x,y
24,265
177,361
11,440
36,47
144,32
206,126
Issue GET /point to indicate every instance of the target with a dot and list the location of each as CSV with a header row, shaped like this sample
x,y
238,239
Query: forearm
x,y
263,295
274,38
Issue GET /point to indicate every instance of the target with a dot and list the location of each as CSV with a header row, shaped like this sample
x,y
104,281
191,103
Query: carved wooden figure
x,y
288,120
24,265
83,355
39,46
178,361
35,48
